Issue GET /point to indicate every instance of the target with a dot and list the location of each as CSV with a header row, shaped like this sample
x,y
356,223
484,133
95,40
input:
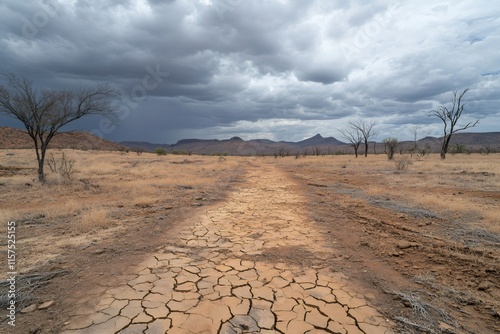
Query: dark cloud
x,y
285,69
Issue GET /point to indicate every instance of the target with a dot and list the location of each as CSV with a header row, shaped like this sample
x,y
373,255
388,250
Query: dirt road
x,y
254,263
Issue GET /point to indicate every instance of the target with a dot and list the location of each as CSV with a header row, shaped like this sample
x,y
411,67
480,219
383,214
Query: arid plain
x,y
397,250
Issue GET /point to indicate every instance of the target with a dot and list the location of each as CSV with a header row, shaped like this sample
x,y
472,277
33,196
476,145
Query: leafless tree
x,y
488,149
424,150
353,136
450,118
44,112
414,130
365,128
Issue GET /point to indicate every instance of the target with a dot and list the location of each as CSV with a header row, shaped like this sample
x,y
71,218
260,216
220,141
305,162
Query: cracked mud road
x,y
213,278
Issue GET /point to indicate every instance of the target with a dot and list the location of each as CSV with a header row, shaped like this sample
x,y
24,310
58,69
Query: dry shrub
x,y
403,163
69,207
144,201
7,215
65,166
94,219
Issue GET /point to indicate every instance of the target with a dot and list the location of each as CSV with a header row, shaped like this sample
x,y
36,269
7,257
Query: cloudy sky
x,y
276,69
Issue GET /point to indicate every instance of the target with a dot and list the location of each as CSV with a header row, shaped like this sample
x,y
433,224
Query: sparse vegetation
x,y
316,151
44,112
94,219
390,146
402,163
365,129
353,135
414,130
160,151
63,166
487,149
424,150
282,152
460,149
102,212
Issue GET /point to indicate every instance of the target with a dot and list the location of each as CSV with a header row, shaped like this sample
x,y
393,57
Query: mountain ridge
x,y
317,143
12,138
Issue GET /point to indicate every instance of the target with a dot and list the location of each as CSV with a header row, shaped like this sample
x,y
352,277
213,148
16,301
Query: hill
x,y
11,138
316,144
238,146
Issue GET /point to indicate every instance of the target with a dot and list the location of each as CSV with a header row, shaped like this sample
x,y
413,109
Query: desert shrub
x,y
65,166
391,144
94,219
403,163
160,151
460,149
487,149
424,150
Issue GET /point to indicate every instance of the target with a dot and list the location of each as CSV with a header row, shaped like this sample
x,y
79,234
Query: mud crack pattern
x,y
207,282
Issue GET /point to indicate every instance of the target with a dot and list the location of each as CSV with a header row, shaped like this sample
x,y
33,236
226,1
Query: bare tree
x,y
424,150
450,118
316,151
353,136
488,149
44,112
366,130
391,144
414,130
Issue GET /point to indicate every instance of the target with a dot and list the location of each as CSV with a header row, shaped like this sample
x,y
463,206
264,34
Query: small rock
x,y
29,309
484,285
36,329
446,328
99,251
45,305
403,244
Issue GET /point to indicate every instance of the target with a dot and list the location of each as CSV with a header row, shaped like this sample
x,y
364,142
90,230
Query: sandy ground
x,y
419,249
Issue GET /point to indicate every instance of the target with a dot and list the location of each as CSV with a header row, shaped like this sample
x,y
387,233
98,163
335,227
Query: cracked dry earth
x,y
210,279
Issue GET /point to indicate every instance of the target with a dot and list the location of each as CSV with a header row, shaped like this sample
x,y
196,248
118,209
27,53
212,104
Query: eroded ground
x,y
243,245
213,280
429,236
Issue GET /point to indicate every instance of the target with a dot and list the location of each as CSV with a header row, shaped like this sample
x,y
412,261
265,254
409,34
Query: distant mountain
x,y
144,145
238,146
472,140
317,143
12,138
318,140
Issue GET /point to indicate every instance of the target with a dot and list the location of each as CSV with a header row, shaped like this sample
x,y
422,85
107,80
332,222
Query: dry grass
x,y
108,192
94,219
464,187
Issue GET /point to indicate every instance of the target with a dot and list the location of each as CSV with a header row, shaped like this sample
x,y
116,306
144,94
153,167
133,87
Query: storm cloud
x,y
279,69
